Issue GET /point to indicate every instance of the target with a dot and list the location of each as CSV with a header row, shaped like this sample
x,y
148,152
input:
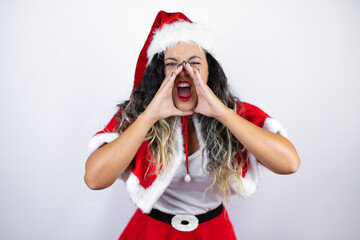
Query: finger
x,y
183,113
167,79
197,80
189,70
171,81
177,71
187,113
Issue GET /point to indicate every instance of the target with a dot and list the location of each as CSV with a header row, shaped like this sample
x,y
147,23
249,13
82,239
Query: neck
x,y
193,143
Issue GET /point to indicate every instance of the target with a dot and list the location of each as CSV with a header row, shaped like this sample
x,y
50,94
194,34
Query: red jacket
x,y
145,191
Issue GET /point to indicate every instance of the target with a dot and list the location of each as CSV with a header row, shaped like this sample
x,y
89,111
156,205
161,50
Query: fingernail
x,y
199,70
180,64
172,73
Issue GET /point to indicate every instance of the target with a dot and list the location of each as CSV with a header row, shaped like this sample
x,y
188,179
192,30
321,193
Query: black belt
x,y
166,218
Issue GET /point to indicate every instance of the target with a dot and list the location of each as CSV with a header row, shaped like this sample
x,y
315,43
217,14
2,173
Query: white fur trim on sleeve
x,y
99,139
274,126
180,32
255,169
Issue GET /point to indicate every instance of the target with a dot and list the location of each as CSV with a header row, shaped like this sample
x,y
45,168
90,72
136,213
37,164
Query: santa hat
x,y
167,30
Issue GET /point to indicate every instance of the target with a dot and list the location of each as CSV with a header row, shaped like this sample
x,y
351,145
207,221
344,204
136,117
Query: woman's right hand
x,y
162,105
107,163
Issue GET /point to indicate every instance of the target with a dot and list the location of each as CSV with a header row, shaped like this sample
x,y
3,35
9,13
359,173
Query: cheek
x,y
205,76
174,91
204,72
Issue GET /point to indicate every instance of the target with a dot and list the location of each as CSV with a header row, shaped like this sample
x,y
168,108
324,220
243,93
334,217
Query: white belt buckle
x,y
185,223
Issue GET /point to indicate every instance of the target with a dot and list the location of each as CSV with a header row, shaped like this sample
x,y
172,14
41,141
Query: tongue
x,y
184,92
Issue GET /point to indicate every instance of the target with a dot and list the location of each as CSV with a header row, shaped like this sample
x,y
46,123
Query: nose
x,y
184,74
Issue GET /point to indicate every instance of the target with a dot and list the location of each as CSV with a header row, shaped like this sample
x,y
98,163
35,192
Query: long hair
x,y
160,136
224,151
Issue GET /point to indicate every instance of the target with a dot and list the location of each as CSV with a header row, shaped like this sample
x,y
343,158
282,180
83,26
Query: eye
x,y
194,63
170,64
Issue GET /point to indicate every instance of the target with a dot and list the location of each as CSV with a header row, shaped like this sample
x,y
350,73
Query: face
x,y
184,93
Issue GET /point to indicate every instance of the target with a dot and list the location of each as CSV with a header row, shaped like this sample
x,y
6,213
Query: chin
x,y
185,107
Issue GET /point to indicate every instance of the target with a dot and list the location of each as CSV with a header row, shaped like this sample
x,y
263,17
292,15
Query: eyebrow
x,y
170,58
174,59
194,57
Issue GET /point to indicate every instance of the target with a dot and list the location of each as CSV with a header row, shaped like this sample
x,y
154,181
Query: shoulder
x,y
106,135
111,126
251,113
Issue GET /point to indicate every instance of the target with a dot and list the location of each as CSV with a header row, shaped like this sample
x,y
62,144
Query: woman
x,y
183,143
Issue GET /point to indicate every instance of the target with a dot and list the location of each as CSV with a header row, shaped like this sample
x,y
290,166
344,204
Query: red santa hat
x,y
167,30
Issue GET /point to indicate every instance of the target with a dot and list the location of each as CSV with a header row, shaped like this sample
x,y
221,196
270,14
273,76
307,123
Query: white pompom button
x,y
187,178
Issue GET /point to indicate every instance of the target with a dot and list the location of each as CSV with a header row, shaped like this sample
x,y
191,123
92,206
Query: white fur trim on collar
x,y
146,198
180,32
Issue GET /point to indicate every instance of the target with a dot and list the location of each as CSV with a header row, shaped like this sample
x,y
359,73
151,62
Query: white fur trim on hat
x,y
180,32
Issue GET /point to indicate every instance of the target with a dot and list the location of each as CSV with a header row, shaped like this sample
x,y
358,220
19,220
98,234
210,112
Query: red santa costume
x,y
169,207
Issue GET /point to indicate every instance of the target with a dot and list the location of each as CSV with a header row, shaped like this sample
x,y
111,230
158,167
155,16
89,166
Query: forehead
x,y
184,51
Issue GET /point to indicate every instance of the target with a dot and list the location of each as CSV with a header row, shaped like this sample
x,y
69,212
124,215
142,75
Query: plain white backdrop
x,y
64,65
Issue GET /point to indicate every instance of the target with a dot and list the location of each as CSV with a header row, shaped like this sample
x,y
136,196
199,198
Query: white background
x,y
64,65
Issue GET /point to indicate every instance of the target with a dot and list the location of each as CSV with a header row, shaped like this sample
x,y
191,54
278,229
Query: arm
x,y
107,163
272,150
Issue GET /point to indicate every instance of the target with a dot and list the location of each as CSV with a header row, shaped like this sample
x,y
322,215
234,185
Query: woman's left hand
x,y
272,150
208,103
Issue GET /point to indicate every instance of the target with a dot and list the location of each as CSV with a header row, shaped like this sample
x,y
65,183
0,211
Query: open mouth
x,y
183,90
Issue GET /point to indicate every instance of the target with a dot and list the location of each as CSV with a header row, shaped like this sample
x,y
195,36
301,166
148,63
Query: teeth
x,y
184,85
